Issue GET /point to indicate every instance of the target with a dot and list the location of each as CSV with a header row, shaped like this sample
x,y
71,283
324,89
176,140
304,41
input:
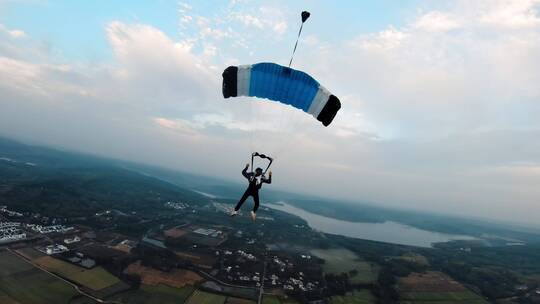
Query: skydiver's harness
x,y
254,154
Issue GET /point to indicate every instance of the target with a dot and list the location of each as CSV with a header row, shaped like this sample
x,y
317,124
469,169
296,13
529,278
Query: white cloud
x,y
512,14
436,21
12,33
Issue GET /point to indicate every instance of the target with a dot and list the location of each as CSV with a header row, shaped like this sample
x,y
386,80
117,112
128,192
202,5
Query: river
x,y
388,232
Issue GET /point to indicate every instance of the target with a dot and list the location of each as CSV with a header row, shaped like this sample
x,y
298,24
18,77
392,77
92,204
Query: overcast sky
x,y
441,99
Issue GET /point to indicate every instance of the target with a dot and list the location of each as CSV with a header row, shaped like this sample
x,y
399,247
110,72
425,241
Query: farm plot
x,y
337,261
202,297
20,282
357,297
150,276
96,278
159,294
434,287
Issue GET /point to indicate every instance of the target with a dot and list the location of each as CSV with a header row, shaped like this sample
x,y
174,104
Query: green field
x,y
337,261
5,299
271,300
231,300
276,300
21,283
96,278
201,297
357,297
11,264
159,294
30,253
441,297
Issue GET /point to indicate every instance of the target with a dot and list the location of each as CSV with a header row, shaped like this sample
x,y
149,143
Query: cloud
x,y
12,33
436,21
439,114
267,18
512,14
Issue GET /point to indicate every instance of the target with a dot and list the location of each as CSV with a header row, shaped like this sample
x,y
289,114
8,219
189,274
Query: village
x,y
227,259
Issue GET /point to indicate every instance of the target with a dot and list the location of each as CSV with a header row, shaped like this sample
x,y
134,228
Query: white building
x,y
72,240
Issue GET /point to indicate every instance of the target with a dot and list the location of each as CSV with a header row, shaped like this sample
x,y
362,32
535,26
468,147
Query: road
x,y
261,290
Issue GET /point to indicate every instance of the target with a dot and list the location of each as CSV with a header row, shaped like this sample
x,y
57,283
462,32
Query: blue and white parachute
x,y
285,85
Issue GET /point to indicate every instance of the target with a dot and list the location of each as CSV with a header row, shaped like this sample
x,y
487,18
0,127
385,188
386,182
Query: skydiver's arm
x,y
269,179
244,172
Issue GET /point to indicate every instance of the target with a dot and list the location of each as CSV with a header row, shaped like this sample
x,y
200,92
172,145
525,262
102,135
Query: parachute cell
x,y
283,84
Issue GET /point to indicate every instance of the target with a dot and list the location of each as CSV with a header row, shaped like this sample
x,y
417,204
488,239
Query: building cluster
x,y
208,232
286,276
221,207
10,213
72,240
11,232
54,249
299,284
246,255
176,205
50,229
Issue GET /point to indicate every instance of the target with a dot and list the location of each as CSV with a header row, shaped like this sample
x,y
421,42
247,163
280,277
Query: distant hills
x,y
50,181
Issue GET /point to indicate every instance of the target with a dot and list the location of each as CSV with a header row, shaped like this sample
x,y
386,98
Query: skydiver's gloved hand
x,y
247,166
270,173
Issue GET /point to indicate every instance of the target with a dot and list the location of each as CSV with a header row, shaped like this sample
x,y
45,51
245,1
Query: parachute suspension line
x,y
296,44
305,16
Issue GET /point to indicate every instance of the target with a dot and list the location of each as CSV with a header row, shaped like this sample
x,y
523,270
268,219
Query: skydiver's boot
x,y
253,215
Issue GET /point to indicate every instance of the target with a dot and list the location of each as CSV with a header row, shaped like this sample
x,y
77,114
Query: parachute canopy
x,y
285,85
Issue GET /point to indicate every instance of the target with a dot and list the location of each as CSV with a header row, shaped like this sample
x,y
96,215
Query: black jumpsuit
x,y
253,189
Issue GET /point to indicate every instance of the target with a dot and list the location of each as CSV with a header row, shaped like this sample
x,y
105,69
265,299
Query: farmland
x,y
5,299
231,300
271,299
337,261
434,287
201,297
96,278
20,282
356,297
159,294
150,276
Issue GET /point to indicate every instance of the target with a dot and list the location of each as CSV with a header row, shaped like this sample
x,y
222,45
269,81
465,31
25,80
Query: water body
x,y
388,232
209,195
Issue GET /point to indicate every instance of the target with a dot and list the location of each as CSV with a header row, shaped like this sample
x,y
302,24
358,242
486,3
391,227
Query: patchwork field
x,y
159,294
175,232
357,297
231,300
270,299
5,299
11,264
414,258
150,276
96,278
202,297
342,260
30,253
434,287
22,283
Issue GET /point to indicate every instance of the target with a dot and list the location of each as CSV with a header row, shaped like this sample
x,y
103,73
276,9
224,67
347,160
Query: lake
x,y
388,232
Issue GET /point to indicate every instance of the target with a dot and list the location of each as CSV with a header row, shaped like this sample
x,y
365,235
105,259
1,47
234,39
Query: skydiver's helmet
x,y
259,171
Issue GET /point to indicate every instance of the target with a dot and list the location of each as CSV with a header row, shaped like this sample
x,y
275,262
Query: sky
x,y
441,102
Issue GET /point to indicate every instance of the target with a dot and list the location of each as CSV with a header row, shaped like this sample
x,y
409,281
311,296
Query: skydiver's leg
x,y
256,200
242,200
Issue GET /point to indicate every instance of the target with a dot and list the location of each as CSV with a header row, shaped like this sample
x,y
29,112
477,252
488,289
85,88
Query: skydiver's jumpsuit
x,y
253,189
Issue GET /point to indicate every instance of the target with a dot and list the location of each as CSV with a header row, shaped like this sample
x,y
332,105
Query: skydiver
x,y
255,183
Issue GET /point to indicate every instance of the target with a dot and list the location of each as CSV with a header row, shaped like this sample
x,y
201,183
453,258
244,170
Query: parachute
x,y
282,84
